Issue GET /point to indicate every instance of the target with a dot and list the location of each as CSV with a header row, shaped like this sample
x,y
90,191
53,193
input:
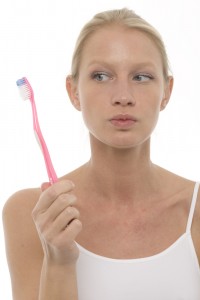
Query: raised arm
x,y
40,245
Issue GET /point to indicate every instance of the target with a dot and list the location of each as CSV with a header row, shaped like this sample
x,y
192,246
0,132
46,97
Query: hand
x,y
57,222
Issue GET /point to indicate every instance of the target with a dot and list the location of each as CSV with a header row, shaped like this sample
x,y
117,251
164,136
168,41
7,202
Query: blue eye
x,y
143,77
99,76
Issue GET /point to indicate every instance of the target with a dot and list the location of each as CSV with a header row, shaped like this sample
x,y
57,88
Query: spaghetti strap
x,y
192,207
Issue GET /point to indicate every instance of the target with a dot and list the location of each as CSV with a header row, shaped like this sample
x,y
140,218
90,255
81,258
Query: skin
x,y
121,198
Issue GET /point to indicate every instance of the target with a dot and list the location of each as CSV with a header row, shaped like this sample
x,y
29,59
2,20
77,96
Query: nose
x,y
123,96
123,101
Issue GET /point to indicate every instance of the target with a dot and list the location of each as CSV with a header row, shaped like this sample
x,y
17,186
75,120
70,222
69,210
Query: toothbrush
x,y
26,92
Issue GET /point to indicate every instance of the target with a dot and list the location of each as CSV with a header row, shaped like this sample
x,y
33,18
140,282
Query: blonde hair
x,y
124,17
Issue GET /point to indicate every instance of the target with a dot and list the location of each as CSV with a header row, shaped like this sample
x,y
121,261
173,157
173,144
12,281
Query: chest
x,y
127,233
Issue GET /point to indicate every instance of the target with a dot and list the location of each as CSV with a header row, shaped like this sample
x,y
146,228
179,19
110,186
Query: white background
x,y
36,41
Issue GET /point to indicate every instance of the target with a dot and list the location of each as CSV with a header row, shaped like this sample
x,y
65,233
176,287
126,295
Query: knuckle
x,y
74,229
72,211
62,200
66,199
72,198
41,222
65,185
69,185
52,192
49,238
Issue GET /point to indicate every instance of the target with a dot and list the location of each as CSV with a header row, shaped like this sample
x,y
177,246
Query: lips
x,y
123,120
124,117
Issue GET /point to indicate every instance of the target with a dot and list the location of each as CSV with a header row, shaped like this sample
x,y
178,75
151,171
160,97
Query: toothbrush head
x,y
25,88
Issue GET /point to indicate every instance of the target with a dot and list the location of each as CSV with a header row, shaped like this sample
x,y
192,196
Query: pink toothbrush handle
x,y
49,166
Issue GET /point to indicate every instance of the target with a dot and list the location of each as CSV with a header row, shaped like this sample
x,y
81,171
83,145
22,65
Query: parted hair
x,y
126,18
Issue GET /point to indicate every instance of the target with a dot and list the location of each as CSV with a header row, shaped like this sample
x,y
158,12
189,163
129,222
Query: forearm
x,y
58,282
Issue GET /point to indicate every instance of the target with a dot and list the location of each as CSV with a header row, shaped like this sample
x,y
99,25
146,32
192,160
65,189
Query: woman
x,y
119,227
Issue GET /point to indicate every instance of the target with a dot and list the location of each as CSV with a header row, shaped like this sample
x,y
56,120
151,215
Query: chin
x,y
120,142
125,142
123,145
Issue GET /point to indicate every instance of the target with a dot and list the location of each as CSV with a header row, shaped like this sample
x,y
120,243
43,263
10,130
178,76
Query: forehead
x,y
117,43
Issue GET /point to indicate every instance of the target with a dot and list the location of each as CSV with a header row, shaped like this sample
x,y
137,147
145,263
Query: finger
x,y
66,217
61,203
68,236
60,223
44,186
51,194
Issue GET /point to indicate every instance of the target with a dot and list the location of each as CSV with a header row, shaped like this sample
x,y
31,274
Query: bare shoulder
x,y
185,188
173,183
19,206
27,197
23,248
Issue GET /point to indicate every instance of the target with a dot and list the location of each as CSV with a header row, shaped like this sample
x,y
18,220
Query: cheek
x,y
88,109
153,113
150,107
155,97
93,100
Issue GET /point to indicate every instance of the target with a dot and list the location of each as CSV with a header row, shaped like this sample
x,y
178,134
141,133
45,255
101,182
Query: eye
x,y
100,76
143,77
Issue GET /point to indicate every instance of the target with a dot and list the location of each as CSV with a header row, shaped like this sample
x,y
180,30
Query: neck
x,y
121,173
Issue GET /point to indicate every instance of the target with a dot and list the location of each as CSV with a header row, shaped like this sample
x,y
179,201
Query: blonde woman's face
x,y
121,88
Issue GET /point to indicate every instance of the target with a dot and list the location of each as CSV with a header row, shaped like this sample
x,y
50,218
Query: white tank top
x,y
173,274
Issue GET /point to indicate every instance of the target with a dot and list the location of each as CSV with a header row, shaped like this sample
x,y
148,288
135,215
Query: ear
x,y
71,87
167,92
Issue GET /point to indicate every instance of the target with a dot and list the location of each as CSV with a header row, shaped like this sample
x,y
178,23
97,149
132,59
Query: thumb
x,y
45,185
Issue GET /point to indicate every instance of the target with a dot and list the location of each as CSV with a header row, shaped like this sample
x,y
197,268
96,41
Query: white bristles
x,y
25,92
24,88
